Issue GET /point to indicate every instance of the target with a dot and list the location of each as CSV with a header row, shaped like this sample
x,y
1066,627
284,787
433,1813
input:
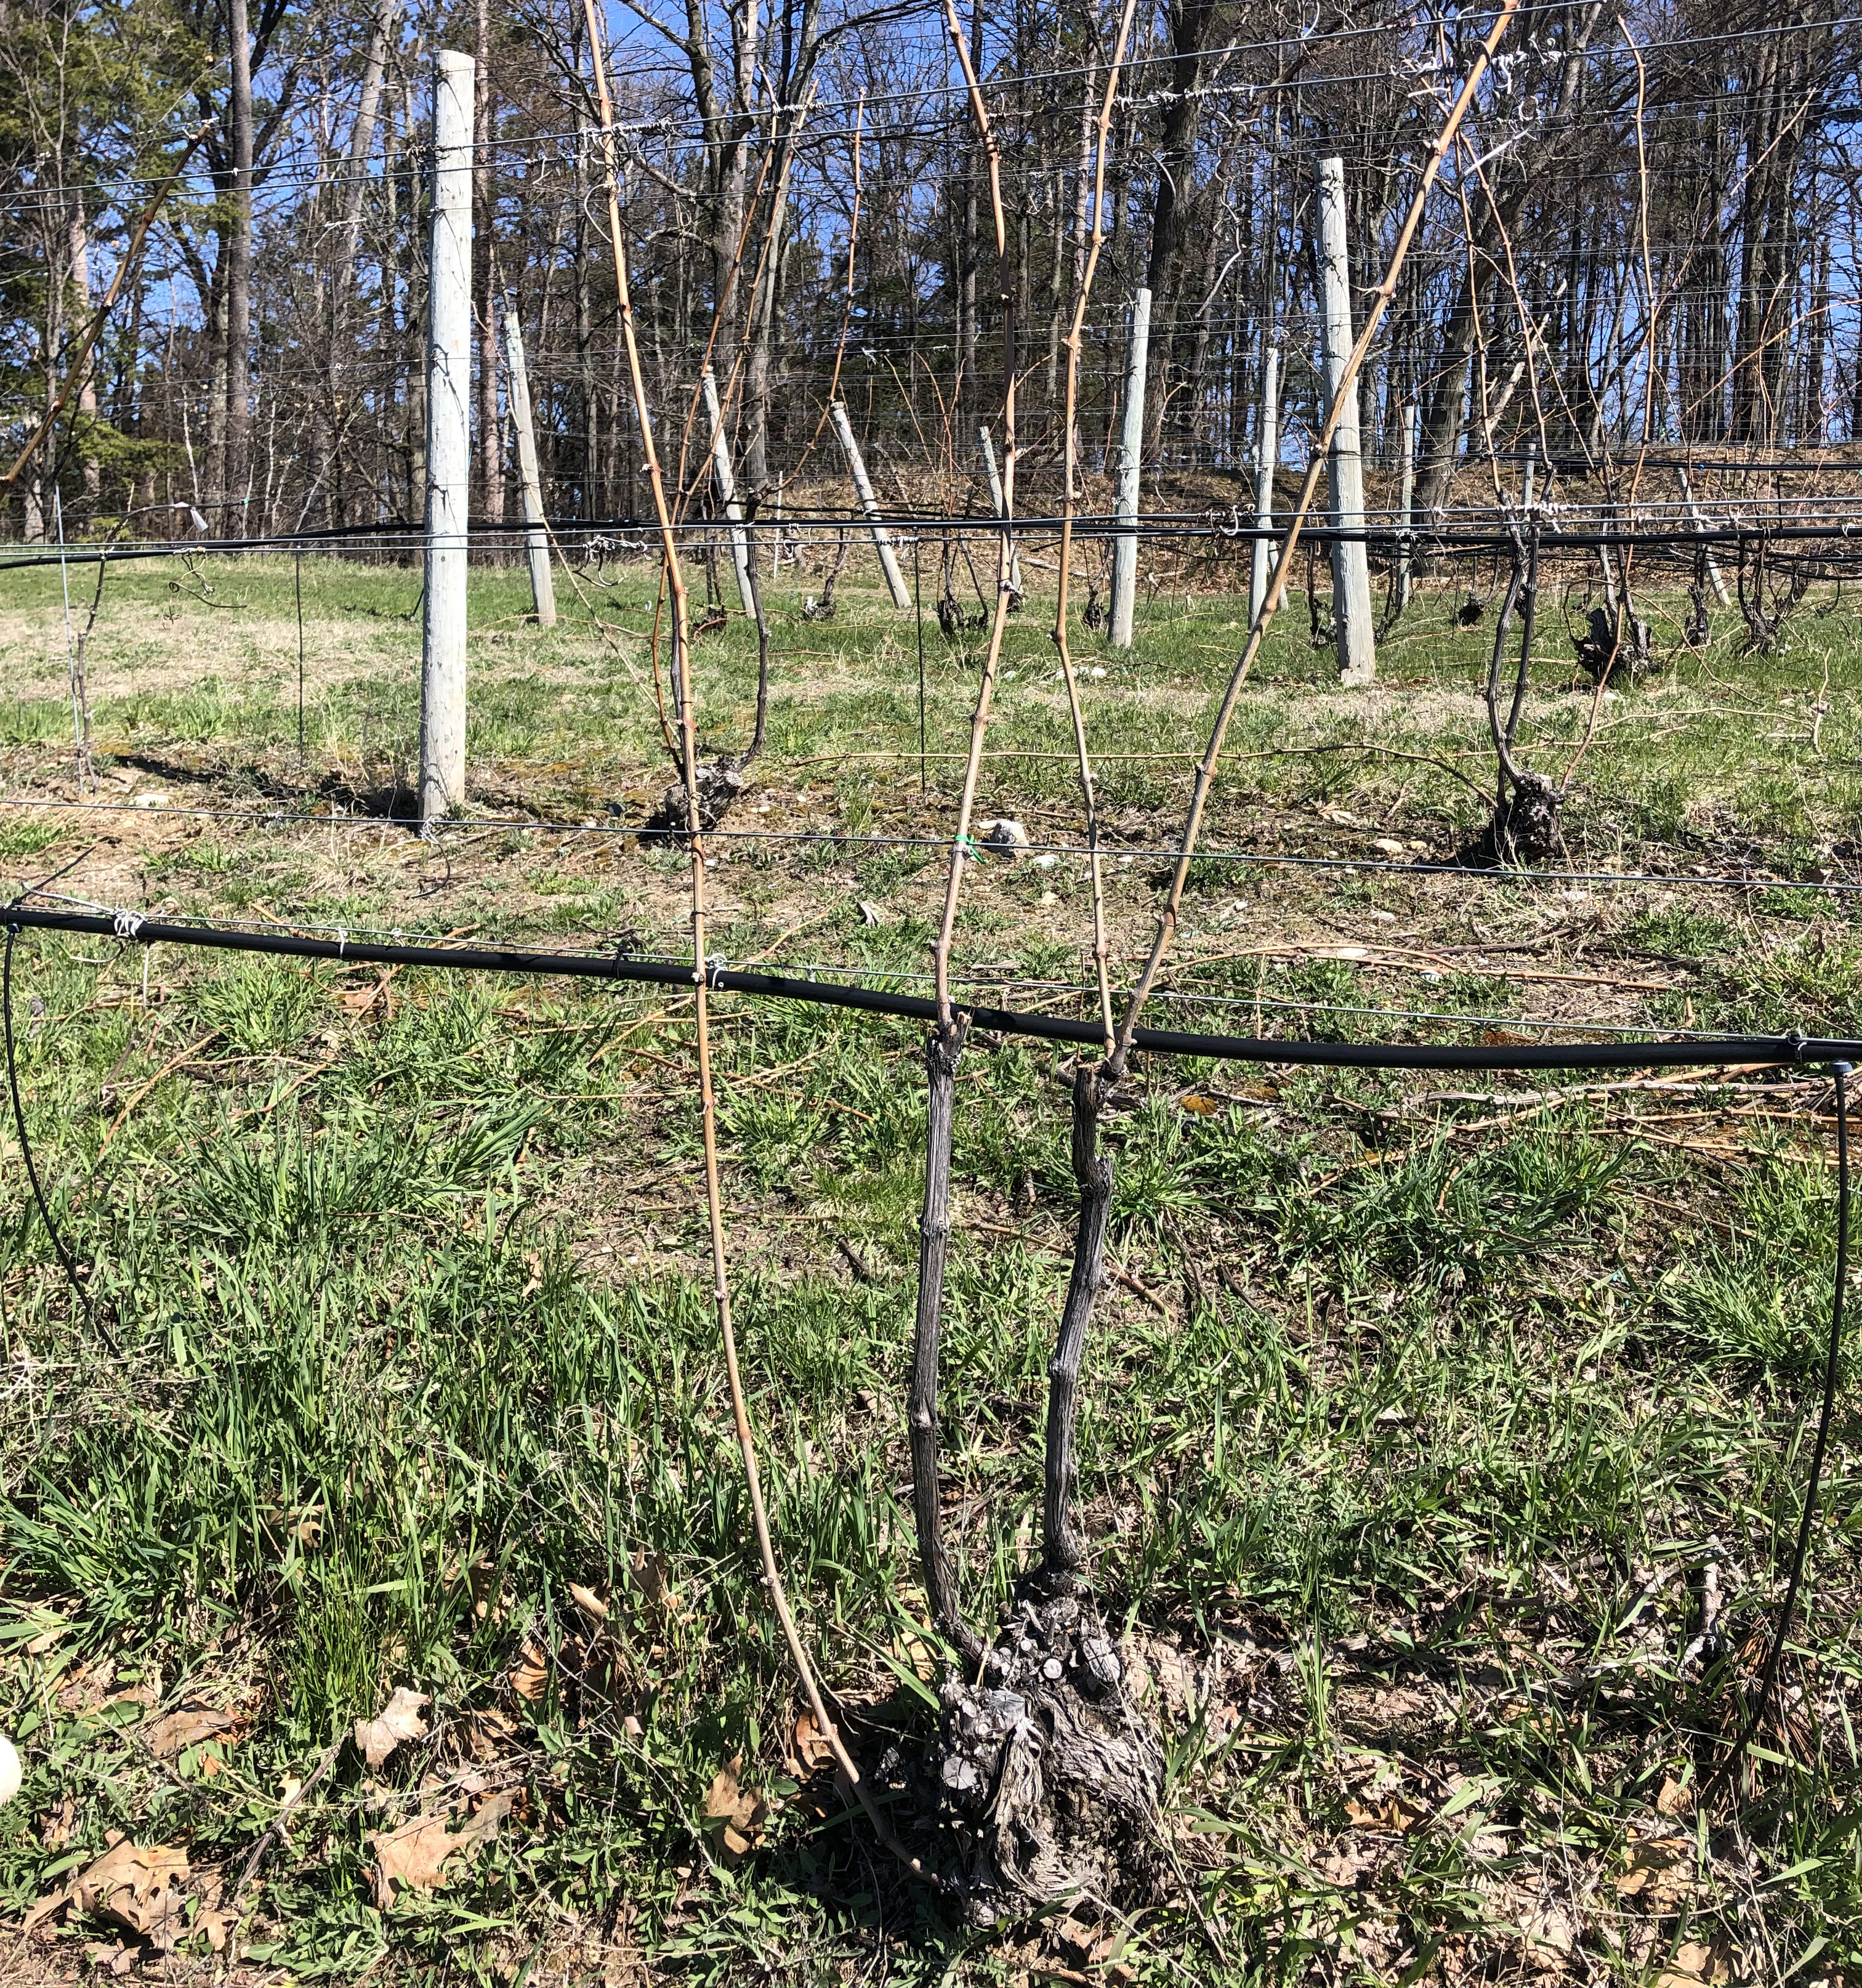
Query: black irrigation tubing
x,y
1838,1055
1806,1518
1448,542
1699,1053
25,1153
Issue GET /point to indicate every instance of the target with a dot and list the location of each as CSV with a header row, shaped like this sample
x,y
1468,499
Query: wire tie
x,y
715,966
342,940
128,925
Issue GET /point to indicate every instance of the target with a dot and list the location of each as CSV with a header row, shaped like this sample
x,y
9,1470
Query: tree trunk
x,y
1189,25
87,387
239,273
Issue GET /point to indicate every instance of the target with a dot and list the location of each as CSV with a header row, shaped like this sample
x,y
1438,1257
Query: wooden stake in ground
x,y
536,531
726,482
1700,524
1408,417
449,370
1125,498
985,448
1352,614
869,503
1267,460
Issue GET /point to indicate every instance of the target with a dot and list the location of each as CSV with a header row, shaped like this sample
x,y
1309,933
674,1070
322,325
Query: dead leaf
x,y
487,1732
1349,1865
812,1750
531,1672
1391,1814
1659,1875
357,1001
139,1888
734,1814
170,1736
588,1601
400,1719
487,1589
217,1924
117,1960
1194,1100
1696,1965
1551,1925
43,1910
147,1694
1674,1799
413,1858
653,1576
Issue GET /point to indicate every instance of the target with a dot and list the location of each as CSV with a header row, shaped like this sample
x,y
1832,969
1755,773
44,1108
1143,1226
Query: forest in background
x,y
1647,234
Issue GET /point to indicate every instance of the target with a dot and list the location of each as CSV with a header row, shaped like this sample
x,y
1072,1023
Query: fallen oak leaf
x,y
170,1736
413,1858
653,1576
1550,1925
1657,1873
488,1732
1675,1798
217,1923
43,1909
530,1673
734,1813
588,1601
139,1888
812,1750
400,1719
1394,1817
1696,1965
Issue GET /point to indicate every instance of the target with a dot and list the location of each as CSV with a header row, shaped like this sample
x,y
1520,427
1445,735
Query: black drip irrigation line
x,y
1694,1052
25,1147
1463,539
1699,1053
1833,1360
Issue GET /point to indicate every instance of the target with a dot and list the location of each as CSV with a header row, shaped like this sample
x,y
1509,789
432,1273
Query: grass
x,y
1414,1447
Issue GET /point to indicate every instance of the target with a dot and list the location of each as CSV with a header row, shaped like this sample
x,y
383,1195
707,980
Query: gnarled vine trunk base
x,y
1525,826
1045,1781
720,782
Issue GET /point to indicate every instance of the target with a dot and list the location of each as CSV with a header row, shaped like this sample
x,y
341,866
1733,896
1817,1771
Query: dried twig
x,y
1276,592
686,714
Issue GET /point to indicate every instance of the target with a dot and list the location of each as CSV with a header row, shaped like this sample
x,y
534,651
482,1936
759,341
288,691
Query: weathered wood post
x,y
725,480
1352,614
1267,459
1125,500
449,370
536,533
882,540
